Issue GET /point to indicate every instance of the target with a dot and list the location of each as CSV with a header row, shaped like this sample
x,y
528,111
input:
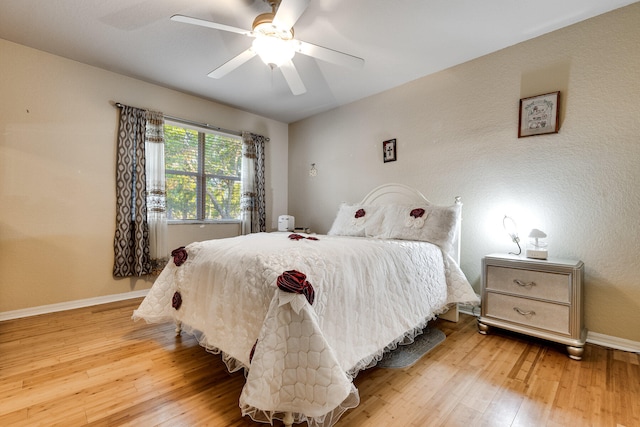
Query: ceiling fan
x,y
275,44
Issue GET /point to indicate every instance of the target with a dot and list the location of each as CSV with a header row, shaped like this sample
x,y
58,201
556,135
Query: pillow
x,y
356,220
428,223
385,216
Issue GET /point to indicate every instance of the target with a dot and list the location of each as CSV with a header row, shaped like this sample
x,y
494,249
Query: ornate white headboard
x,y
401,194
394,194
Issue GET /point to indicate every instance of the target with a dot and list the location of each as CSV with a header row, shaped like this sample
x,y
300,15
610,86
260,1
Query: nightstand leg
x,y
575,352
482,328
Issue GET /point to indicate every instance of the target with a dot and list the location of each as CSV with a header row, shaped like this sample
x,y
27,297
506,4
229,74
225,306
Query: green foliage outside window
x,y
203,174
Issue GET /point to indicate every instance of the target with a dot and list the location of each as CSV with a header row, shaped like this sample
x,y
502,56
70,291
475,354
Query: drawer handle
x,y
523,284
524,313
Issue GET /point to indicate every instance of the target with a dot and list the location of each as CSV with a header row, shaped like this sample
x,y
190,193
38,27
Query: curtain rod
x,y
190,122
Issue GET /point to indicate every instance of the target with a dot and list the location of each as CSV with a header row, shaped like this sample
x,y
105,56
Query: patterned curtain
x,y
156,193
131,241
253,204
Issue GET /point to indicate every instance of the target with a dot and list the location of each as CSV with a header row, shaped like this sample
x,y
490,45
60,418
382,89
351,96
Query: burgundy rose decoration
x,y
417,213
360,213
176,301
179,256
296,282
296,236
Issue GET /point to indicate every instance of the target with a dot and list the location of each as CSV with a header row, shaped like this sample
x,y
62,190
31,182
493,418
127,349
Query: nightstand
x,y
540,298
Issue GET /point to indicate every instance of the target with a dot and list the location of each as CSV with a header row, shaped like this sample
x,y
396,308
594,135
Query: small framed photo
x,y
389,150
539,115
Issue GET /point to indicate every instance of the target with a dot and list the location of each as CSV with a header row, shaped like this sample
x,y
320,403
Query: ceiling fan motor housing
x,y
263,24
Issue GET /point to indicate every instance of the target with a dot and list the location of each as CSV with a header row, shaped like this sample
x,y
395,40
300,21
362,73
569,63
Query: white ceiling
x,y
400,40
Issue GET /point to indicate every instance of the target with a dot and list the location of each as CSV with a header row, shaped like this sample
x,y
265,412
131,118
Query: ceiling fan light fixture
x,y
274,43
273,51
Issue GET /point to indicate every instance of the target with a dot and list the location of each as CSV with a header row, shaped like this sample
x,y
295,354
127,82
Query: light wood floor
x,y
95,366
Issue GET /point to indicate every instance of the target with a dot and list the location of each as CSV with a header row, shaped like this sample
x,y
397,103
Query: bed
x,y
302,314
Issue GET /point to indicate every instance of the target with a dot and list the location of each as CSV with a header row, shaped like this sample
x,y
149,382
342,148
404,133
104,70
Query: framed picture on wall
x,y
539,115
389,150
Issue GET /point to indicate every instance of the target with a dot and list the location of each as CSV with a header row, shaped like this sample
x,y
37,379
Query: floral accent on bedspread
x,y
176,301
296,236
179,255
295,282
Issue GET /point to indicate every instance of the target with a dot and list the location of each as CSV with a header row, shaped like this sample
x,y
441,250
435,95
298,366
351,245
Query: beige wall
x,y
457,135
57,170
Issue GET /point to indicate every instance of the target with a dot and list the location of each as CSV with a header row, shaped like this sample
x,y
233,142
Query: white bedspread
x,y
370,294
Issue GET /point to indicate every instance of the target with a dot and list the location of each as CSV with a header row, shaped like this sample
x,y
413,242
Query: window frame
x,y
200,176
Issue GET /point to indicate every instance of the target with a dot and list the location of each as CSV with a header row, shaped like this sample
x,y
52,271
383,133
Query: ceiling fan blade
x,y
293,78
209,24
232,64
329,55
289,12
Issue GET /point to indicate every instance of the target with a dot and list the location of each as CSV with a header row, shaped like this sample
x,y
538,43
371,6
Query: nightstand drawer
x,y
535,284
531,313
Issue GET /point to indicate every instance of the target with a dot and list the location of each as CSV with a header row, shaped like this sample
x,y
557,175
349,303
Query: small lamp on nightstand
x,y
537,247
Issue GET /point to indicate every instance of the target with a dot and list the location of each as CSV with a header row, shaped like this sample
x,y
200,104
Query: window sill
x,y
197,222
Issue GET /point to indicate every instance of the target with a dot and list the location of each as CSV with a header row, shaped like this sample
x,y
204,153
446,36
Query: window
x,y
203,174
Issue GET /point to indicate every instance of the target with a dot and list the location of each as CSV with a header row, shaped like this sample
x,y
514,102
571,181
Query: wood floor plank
x,y
95,366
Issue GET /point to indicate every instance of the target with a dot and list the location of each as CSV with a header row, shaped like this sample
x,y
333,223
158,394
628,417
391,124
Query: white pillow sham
x,y
356,220
427,223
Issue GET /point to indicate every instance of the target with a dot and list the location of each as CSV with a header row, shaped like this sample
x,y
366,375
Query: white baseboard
x,y
613,342
70,305
592,337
